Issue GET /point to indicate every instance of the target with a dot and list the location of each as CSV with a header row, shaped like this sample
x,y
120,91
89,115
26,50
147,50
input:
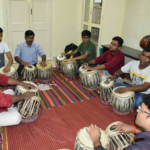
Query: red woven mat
x,y
57,128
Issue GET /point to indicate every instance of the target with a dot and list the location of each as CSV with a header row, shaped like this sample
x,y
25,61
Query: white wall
x,y
1,14
137,22
66,26
113,14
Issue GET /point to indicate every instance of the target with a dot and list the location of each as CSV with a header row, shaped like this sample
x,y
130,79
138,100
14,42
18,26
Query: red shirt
x,y
5,99
113,61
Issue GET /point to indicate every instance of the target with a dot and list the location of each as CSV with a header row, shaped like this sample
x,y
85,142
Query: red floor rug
x,y
57,128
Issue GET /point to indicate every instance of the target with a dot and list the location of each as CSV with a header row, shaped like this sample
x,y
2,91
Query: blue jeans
x,y
138,96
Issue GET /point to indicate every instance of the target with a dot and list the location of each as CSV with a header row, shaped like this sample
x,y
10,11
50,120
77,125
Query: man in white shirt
x,y
139,73
5,50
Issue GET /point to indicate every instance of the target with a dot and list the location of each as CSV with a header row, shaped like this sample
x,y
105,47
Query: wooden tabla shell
x,y
59,60
29,73
69,68
105,91
12,73
84,142
44,73
118,141
90,79
21,90
29,109
123,103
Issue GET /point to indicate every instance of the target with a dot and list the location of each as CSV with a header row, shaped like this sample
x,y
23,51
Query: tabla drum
x,y
105,91
29,109
69,68
118,141
12,73
81,69
90,79
122,103
29,73
84,142
44,73
21,90
59,60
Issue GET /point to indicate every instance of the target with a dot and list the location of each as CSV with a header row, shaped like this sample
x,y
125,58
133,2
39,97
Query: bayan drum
x,y
59,60
118,141
122,103
105,91
29,73
44,73
89,79
84,142
69,68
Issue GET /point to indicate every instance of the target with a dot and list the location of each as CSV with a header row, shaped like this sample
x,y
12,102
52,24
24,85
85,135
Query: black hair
x,y
119,40
86,33
29,33
146,100
1,30
145,43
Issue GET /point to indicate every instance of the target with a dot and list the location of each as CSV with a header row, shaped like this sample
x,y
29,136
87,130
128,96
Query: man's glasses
x,y
140,110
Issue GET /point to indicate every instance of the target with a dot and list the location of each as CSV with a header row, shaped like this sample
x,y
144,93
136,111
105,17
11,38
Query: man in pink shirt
x,y
9,115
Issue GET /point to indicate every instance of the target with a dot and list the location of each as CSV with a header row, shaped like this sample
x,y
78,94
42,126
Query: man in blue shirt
x,y
142,137
27,52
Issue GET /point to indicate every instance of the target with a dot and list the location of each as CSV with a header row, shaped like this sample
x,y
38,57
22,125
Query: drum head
x,y
60,57
11,72
81,69
68,62
48,65
123,95
110,130
30,68
106,83
85,139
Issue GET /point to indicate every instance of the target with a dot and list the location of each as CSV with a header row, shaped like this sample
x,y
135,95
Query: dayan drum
x,y
123,103
90,79
12,73
105,91
29,109
29,73
44,73
59,60
118,141
69,68
84,142
21,90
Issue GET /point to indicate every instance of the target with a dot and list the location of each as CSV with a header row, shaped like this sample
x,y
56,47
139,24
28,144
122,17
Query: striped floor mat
x,y
64,91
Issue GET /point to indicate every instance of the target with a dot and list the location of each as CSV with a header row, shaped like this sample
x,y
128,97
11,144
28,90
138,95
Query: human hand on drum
x,y
71,59
28,95
6,69
89,68
43,63
123,128
26,63
85,64
122,90
95,134
112,77
28,86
